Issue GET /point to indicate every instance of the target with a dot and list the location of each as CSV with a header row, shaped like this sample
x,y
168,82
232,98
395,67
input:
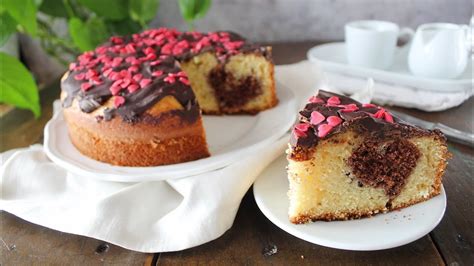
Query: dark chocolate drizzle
x,y
223,44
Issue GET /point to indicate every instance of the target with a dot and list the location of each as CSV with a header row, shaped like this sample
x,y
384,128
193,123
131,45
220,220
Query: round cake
x,y
137,100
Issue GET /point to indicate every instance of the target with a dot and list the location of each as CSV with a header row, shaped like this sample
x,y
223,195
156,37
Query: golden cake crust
x,y
142,143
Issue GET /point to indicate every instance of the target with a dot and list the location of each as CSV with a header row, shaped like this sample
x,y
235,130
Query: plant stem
x,y
69,10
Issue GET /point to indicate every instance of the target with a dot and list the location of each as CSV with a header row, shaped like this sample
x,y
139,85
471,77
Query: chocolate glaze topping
x,y
140,70
338,113
385,158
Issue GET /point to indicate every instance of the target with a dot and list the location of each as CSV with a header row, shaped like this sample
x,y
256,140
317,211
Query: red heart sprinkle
x,y
323,130
80,76
132,88
317,117
380,113
298,133
118,101
300,130
144,82
388,117
170,78
107,72
133,69
130,48
115,89
72,66
116,61
157,73
303,127
314,99
137,77
350,108
369,105
334,100
184,81
156,62
334,120
125,83
86,86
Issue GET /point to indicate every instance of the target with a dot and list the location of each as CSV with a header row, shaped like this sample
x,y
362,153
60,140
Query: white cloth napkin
x,y
154,216
384,94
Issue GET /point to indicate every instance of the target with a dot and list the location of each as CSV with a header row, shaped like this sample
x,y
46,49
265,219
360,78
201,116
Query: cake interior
x,y
243,84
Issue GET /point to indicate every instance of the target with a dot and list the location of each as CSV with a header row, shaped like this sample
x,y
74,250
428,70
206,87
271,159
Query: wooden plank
x,y
24,243
253,236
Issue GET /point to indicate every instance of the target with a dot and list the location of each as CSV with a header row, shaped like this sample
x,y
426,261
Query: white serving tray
x,y
332,57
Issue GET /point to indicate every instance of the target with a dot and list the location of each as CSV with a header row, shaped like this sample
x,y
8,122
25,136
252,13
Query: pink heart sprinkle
x,y
80,76
144,82
323,130
388,117
369,105
380,113
334,120
118,101
115,89
316,118
302,127
334,100
132,88
86,86
314,99
349,108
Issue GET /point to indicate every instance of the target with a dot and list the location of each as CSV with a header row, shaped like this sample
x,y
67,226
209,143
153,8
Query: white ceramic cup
x,y
439,50
372,43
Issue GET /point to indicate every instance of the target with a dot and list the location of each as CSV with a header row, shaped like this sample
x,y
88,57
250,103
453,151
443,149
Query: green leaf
x,y
108,9
24,12
123,27
87,35
7,27
54,8
201,9
17,85
143,10
193,9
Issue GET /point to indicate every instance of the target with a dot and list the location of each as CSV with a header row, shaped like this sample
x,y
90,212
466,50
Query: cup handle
x,y
405,36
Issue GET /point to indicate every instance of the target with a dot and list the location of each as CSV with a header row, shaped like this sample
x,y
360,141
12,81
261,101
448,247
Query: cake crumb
x,y
302,257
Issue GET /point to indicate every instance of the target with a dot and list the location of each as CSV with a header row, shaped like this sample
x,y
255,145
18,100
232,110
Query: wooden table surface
x,y
252,236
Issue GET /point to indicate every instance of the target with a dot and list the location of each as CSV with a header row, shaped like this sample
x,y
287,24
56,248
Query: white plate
x,y
381,231
229,138
332,57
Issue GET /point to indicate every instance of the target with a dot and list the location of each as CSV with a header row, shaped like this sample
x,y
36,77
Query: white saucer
x,y
229,138
381,231
332,57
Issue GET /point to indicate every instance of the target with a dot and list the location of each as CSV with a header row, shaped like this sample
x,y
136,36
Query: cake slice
x,y
349,160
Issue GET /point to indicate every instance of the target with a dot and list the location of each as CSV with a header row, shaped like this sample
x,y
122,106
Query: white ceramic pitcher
x,y
439,50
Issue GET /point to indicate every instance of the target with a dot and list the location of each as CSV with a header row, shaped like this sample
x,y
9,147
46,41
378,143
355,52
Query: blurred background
x,y
302,20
